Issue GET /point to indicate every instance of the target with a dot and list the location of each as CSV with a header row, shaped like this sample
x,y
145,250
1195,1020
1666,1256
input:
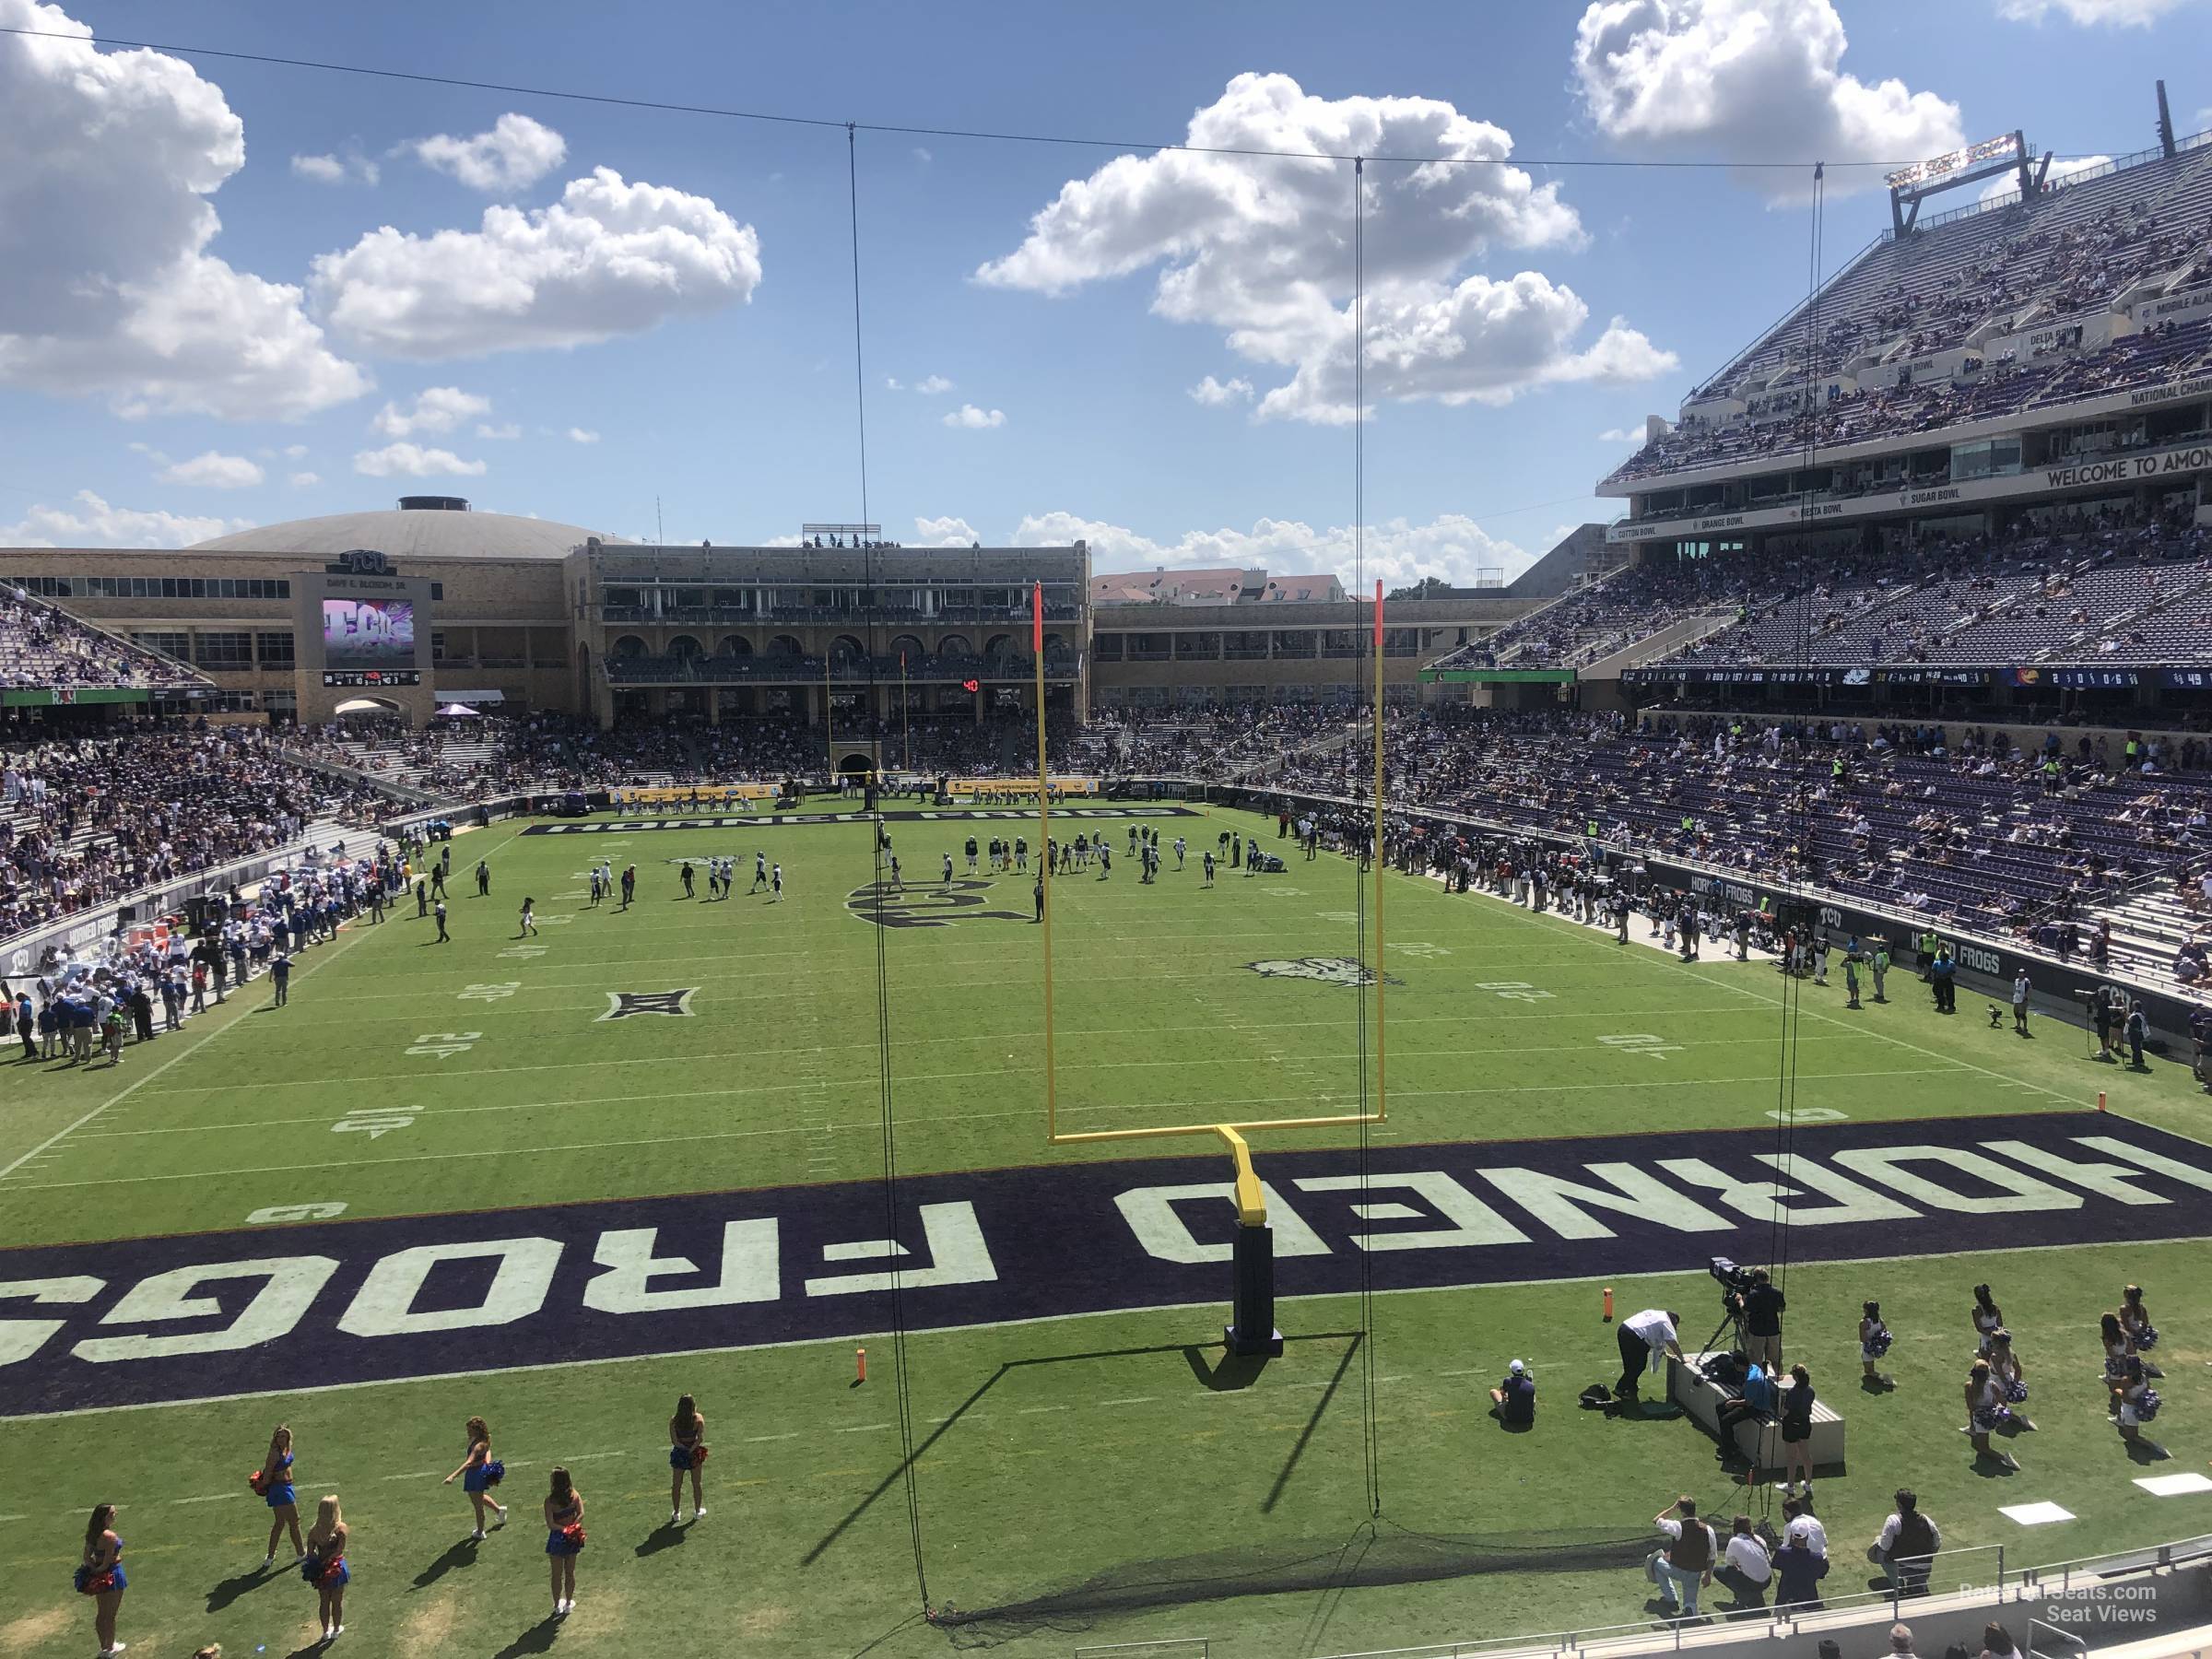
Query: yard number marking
x,y
1513,990
1643,1042
489,993
375,1120
443,1045
296,1212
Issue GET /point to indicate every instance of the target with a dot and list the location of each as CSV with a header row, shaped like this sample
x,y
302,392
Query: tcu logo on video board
x,y
364,561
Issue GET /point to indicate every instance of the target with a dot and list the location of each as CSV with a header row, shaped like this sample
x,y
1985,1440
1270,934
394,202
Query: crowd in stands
x,y
2107,591
86,819
2040,267
42,647
2005,832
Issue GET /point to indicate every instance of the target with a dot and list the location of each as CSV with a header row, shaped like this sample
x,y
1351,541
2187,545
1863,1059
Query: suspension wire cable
x,y
1371,1432
1799,819
908,130
901,1386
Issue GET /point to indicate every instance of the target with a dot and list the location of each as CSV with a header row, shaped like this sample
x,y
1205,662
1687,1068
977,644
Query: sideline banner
x,y
687,797
1018,787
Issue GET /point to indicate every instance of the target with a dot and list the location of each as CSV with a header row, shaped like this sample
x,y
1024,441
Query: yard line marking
x,y
1034,1410
1134,1400
131,1089
864,1428
218,1498
424,1474
754,1440
725,1134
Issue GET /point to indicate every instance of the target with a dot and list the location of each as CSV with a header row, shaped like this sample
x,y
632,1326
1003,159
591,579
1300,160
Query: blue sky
x,y
236,282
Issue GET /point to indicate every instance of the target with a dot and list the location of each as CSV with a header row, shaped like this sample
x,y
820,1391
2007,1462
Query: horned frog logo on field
x,y
1328,971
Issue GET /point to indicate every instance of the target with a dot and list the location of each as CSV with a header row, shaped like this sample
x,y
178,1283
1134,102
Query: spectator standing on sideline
x,y
2020,987
1906,1548
443,937
2139,1032
1943,976
1881,968
280,976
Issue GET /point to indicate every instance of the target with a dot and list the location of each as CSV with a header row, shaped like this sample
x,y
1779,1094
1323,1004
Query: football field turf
x,y
642,1153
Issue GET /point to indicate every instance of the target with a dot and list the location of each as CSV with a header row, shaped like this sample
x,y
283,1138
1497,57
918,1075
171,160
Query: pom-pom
x,y
572,1534
494,1472
699,1454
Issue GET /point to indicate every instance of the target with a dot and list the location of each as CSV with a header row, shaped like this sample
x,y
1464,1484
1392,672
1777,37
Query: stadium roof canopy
x,y
449,532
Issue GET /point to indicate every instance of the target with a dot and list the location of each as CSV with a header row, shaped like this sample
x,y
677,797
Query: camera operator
x,y
1644,1338
1762,1305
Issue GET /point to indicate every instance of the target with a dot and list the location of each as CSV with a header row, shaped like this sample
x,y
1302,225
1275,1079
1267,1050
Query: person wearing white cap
x,y
1515,1398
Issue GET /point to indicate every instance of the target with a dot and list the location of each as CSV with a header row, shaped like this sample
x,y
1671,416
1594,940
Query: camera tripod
x,y
1732,1318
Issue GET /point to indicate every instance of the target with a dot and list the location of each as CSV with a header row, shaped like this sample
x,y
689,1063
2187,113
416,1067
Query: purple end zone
x,y
193,1316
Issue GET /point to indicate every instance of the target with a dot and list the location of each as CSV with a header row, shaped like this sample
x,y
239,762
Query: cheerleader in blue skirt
x,y
687,1454
564,1538
99,1576
323,1566
478,1473
273,1482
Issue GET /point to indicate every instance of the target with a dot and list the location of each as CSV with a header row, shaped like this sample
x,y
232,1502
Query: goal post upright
x,y
1044,859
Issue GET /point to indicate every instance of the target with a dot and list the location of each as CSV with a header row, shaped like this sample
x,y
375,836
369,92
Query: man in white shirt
x,y
1745,1569
1800,1525
1644,1337
1906,1546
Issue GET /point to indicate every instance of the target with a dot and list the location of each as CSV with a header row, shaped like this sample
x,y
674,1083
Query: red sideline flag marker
x,y
1037,618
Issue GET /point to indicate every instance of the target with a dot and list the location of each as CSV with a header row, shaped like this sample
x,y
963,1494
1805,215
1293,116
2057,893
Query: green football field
x,y
1093,1449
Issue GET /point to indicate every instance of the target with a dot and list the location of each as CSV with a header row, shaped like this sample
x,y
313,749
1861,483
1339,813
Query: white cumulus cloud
x,y
412,461
513,156
581,435
435,409
108,160
933,385
1748,81
1450,546
1261,247
300,480
337,169
609,258
90,522
502,432
1215,393
945,532
974,420
212,470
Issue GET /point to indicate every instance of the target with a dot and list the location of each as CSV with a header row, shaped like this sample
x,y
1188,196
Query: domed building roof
x,y
421,527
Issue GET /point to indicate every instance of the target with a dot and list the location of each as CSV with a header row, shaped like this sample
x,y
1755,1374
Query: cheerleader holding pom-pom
x,y
2138,1404
99,1575
272,1483
687,1454
564,1538
1987,1317
478,1473
2114,1341
2134,1320
1986,1413
323,1566
2005,1370
1874,1344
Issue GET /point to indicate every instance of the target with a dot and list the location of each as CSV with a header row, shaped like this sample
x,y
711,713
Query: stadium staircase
x,y
2149,924
1685,635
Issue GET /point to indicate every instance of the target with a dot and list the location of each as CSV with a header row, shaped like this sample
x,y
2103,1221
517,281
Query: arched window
x,y
628,645
785,645
736,646
955,645
846,649
684,647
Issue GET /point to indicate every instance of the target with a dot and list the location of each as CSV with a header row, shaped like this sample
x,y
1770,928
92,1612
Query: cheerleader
x,y
323,1566
1874,1343
1987,1317
1985,1413
564,1537
687,1452
2116,1358
99,1575
2006,1371
2134,1318
478,1473
1797,1430
2138,1403
273,1480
